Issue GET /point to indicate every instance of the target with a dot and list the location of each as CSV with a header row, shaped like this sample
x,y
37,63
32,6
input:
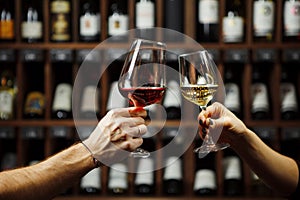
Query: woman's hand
x,y
117,133
217,116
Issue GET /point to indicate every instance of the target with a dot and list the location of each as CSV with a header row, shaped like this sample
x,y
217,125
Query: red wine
x,y
144,96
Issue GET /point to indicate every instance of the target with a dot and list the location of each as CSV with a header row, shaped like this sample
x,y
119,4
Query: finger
x,y
203,120
137,131
213,110
118,137
202,133
131,144
138,112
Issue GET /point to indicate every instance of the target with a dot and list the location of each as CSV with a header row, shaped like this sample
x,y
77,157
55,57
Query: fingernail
x,y
200,122
211,122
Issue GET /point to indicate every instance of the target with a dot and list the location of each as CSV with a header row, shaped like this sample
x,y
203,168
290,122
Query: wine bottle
x,y
233,23
205,183
173,10
291,20
33,137
89,22
145,14
34,105
233,184
144,180
90,102
172,100
118,21
260,101
258,187
60,28
7,23
144,18
263,20
90,183
117,180
172,177
290,142
7,95
232,99
32,25
208,21
61,107
8,161
289,103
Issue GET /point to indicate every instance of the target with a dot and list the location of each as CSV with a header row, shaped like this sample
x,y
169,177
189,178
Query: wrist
x,y
86,154
96,163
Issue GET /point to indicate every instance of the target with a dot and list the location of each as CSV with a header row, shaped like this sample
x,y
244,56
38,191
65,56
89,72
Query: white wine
x,y
199,94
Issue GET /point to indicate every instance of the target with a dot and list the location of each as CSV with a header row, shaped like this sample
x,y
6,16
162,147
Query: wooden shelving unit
x,y
19,66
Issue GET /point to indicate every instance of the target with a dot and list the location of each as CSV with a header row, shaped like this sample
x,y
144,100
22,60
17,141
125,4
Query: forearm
x,y
48,178
276,170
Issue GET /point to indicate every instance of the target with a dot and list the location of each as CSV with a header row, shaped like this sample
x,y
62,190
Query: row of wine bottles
x,y
207,19
260,90
204,181
145,182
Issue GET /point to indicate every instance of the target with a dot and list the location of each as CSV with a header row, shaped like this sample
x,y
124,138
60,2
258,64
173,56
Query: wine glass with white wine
x,y
199,82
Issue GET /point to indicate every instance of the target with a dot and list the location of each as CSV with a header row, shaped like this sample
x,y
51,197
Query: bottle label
x,y
62,97
60,7
115,99
89,25
208,11
232,99
173,169
144,14
7,29
288,97
232,168
90,101
117,24
31,30
91,179
6,102
173,95
35,103
291,18
146,166
259,97
205,178
233,29
118,176
263,18
60,27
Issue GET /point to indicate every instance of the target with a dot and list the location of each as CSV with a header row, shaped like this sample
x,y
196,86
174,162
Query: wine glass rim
x,y
150,41
193,53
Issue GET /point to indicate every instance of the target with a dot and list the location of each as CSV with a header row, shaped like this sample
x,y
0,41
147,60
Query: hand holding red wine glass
x,y
143,78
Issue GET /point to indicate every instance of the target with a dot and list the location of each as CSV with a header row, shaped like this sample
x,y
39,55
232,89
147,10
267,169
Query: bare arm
x,y
52,176
48,178
276,170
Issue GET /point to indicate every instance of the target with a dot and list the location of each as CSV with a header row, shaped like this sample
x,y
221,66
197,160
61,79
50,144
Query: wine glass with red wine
x,y
143,78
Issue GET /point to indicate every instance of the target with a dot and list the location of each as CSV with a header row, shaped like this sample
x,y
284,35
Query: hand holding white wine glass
x,y
199,83
142,79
